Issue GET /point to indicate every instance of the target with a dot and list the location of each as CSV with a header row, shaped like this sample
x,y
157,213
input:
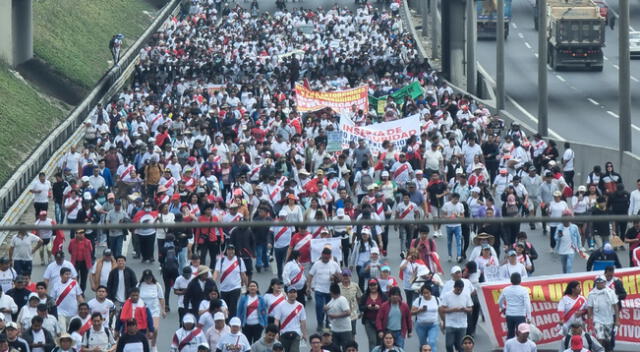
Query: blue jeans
x,y
23,267
182,258
567,262
262,261
321,299
428,335
397,336
115,244
280,254
59,210
457,231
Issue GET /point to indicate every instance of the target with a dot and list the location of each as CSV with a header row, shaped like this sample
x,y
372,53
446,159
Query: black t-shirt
x,y
19,345
137,343
435,189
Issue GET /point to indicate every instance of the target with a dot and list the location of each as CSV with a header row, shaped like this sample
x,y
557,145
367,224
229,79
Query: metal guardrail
x,y
346,222
14,196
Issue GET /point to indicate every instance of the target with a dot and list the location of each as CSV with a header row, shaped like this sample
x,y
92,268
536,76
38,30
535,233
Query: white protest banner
x,y
318,244
396,132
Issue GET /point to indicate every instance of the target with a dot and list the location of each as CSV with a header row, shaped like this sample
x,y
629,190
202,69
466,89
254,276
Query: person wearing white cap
x,y
603,310
513,266
188,337
361,254
218,329
234,340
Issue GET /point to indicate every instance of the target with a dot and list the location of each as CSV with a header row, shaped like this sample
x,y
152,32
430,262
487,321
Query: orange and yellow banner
x,y
341,101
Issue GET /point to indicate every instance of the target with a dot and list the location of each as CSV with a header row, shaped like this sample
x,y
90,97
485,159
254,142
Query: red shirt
x,y
81,252
304,247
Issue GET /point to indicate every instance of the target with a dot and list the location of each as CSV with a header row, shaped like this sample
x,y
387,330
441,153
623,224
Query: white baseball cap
x,y
189,318
375,250
235,321
218,316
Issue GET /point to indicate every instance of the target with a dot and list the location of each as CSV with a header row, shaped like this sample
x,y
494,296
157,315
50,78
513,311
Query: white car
x,y
634,44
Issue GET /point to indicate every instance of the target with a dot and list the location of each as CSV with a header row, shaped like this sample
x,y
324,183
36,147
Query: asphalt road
x,y
583,106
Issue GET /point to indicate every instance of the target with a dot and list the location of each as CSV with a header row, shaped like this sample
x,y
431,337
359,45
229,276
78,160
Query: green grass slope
x,y
73,35
25,119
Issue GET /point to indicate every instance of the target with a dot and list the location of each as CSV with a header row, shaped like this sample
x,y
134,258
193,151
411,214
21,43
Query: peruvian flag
x,y
145,217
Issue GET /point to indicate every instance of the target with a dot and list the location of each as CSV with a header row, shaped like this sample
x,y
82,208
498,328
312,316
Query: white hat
x,y
375,250
218,316
371,187
366,230
188,318
87,196
85,179
235,321
419,172
340,212
456,269
475,189
384,173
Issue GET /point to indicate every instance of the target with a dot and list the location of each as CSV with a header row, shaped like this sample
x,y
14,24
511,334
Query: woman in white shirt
x,y
152,294
361,254
165,217
556,207
580,204
425,309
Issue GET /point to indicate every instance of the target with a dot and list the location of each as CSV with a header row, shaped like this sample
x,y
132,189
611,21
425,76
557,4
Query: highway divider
x,y
586,155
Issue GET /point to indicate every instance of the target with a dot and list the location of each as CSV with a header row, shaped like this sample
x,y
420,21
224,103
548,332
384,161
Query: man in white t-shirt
x,y
180,287
339,313
454,308
67,294
101,304
321,274
7,274
521,342
41,189
291,317
567,164
230,273
52,273
21,251
453,209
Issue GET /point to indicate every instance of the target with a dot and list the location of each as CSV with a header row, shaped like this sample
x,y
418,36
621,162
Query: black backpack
x,y
112,42
171,259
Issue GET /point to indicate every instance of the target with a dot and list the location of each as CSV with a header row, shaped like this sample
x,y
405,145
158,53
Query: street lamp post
x,y
543,100
623,78
472,72
500,56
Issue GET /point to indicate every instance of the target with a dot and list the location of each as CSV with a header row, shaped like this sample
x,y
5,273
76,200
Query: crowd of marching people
x,y
209,132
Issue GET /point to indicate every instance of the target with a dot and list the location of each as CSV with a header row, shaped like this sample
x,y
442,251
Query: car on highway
x,y
634,44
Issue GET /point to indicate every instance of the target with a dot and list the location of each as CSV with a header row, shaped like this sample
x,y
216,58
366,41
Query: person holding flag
x,y
147,236
230,273
135,309
84,317
188,338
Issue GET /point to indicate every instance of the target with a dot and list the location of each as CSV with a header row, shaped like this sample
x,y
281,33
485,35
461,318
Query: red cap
x,y
175,196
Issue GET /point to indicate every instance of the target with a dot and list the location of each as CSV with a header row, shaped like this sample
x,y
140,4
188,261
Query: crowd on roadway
x,y
209,132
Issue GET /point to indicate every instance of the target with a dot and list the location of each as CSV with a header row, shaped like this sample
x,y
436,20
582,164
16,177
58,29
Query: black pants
x,y
135,241
181,313
83,273
512,325
466,235
213,248
91,236
568,176
160,246
252,332
231,298
147,246
552,236
169,277
472,319
38,207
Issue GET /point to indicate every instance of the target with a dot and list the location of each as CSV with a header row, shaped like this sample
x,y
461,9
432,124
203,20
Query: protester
x,y
603,310
521,342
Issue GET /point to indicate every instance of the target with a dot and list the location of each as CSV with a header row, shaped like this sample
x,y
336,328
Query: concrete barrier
x,y
587,155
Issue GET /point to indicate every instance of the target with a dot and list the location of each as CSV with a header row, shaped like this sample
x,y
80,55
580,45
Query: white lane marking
x,y
514,25
616,67
613,114
527,45
533,118
561,78
535,54
634,79
593,102
606,58
521,35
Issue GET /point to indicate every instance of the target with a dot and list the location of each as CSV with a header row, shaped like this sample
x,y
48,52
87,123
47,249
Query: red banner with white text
x,y
546,291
